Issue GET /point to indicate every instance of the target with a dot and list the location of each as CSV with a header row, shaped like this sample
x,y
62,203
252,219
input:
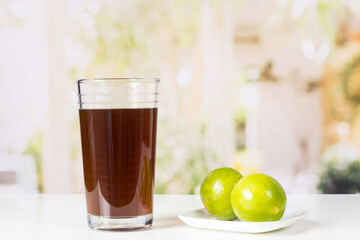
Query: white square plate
x,y
201,218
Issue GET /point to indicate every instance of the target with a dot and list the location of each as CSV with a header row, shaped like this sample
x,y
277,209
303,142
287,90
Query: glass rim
x,y
90,80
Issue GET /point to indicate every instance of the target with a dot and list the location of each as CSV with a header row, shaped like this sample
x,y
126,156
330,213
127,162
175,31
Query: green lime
x,y
215,192
258,198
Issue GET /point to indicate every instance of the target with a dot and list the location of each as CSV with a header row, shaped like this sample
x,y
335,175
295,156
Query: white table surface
x,y
44,216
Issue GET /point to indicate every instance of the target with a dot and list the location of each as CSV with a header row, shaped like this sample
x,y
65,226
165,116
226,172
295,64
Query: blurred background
x,y
261,86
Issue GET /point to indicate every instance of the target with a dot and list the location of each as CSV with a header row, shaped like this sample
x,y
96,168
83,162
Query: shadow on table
x,y
166,222
298,228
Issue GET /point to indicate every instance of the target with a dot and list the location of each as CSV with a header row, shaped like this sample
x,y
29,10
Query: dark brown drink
x,y
118,147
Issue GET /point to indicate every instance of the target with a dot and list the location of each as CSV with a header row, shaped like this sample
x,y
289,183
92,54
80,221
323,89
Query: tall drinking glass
x,y
118,122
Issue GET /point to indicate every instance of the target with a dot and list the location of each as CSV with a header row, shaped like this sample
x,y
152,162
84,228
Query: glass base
x,y
120,223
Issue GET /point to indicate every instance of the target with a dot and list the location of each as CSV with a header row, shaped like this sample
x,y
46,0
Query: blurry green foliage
x,y
123,43
239,80
183,158
350,81
34,149
341,178
75,154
